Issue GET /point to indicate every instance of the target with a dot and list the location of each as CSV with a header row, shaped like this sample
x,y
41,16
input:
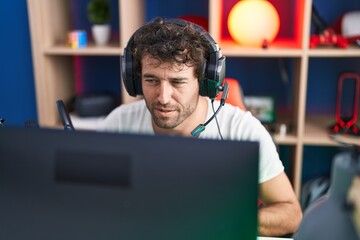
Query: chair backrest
x,y
235,95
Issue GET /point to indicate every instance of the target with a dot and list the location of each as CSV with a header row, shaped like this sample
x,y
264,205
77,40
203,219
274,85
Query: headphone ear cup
x,y
213,77
127,73
131,82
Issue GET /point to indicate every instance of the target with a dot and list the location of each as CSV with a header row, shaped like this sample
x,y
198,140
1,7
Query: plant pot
x,y
101,34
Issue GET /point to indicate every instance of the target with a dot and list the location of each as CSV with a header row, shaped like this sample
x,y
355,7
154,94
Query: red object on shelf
x,y
291,14
328,37
347,125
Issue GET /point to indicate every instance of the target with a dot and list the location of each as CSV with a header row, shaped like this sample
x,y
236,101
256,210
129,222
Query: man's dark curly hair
x,y
170,42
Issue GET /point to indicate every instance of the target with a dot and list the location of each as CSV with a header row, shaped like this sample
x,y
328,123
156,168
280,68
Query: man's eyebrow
x,y
179,78
148,75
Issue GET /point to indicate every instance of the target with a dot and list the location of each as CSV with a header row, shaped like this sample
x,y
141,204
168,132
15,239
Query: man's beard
x,y
167,122
178,115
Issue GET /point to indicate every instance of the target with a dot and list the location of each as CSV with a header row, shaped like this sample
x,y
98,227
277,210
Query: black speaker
x,y
214,70
92,105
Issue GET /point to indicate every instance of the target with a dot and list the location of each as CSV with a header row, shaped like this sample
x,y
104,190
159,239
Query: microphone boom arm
x,y
201,127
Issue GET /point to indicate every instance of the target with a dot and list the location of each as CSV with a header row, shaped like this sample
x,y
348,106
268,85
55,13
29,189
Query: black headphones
x,y
211,82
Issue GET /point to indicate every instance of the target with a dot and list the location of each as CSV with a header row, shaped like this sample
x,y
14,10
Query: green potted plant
x,y
99,15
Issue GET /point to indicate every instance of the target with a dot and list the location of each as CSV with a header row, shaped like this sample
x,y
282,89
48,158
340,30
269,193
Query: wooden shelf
x,y
49,22
288,139
113,49
231,49
316,133
329,51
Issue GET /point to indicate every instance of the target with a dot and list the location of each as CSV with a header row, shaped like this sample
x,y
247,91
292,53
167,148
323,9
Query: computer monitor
x,y
57,184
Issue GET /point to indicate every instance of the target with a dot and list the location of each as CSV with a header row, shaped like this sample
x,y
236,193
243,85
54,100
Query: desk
x,y
273,238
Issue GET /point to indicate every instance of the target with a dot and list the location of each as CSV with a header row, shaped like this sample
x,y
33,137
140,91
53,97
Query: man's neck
x,y
184,129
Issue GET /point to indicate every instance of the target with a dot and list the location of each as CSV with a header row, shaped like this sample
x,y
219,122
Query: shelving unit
x,y
308,130
54,73
52,59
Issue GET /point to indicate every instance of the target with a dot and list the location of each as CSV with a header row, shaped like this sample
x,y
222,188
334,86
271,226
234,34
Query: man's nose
x,y
165,92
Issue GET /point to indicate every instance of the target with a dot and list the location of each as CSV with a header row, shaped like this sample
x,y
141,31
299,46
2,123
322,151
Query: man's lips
x,y
164,110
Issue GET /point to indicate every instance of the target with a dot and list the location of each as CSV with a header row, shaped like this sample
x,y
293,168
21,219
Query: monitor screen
x,y
57,184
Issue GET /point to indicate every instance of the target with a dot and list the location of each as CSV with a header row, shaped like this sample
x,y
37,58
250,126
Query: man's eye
x,y
178,82
151,81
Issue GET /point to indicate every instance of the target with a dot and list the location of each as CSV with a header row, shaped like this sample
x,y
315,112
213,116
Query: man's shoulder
x,y
241,124
136,103
231,111
127,112
132,107
130,117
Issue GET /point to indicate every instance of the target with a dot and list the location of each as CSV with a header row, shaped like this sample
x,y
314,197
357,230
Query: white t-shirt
x,y
235,124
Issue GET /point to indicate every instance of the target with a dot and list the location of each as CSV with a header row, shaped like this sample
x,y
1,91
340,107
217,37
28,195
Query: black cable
x,y
319,23
217,123
213,116
201,127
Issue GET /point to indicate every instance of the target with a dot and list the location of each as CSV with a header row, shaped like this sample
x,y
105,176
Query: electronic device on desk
x,y
263,108
347,105
88,110
94,104
95,185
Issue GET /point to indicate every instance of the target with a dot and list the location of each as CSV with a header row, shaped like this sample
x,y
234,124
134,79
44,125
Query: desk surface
x,y
273,238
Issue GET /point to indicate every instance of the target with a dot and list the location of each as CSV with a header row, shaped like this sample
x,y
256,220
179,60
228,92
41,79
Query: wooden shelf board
x,y
316,133
113,49
231,49
289,139
331,51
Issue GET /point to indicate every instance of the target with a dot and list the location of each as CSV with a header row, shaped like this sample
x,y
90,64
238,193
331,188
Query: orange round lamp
x,y
251,22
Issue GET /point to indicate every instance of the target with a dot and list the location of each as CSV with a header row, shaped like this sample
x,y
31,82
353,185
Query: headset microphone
x,y
201,127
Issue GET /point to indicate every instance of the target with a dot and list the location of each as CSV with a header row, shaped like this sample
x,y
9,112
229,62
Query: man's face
x,y
171,92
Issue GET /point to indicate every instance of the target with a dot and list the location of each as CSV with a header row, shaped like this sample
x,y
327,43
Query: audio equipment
x,y
94,104
201,127
214,67
64,116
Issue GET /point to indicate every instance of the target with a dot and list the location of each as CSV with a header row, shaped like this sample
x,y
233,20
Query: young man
x,y
176,66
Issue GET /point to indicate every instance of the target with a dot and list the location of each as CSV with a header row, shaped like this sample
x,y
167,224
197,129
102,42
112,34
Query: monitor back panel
x,y
85,185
